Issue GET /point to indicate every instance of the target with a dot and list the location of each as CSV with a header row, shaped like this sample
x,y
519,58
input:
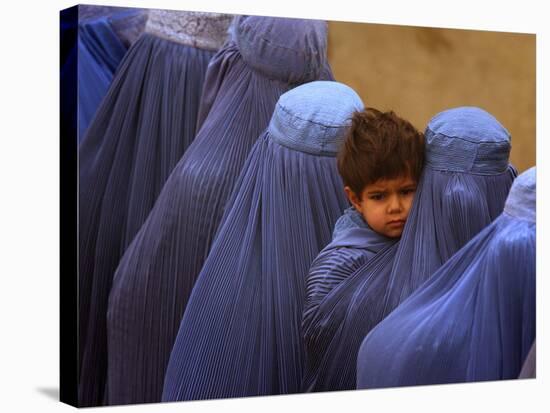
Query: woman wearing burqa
x,y
264,58
463,186
140,131
240,334
474,319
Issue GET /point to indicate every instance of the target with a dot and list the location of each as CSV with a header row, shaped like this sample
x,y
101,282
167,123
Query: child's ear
x,y
353,198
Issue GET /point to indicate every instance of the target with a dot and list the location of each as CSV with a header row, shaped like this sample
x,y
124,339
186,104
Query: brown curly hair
x,y
379,145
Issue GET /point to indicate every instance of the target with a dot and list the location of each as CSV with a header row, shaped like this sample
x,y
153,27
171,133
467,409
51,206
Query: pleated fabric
x,y
141,129
474,319
463,187
529,368
100,51
156,274
240,334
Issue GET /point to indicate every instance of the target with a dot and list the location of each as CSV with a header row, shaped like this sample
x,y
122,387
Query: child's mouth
x,y
396,223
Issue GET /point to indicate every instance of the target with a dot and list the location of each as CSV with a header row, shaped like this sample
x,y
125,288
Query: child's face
x,y
385,204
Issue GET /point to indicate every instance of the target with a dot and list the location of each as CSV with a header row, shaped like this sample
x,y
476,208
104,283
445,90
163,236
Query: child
x,y
380,163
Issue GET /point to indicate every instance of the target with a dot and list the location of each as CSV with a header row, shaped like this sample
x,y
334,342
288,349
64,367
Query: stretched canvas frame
x,y
432,40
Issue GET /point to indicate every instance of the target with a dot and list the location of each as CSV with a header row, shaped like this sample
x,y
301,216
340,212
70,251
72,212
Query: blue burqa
x,y
474,319
463,186
141,129
264,58
240,335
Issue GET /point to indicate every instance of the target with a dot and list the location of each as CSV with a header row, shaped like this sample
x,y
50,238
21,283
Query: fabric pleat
x,y
449,208
220,69
473,320
140,131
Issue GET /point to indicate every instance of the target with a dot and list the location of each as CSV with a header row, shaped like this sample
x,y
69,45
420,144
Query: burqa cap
x,y
314,117
522,199
290,50
467,139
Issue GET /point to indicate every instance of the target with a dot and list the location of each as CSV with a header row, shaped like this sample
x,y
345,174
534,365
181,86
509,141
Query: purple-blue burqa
x,y
463,186
240,335
141,129
474,319
264,58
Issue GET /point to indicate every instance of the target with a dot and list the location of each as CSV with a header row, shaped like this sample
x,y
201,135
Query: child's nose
x,y
395,204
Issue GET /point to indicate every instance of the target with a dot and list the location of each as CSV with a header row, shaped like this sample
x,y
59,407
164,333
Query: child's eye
x,y
408,191
376,197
